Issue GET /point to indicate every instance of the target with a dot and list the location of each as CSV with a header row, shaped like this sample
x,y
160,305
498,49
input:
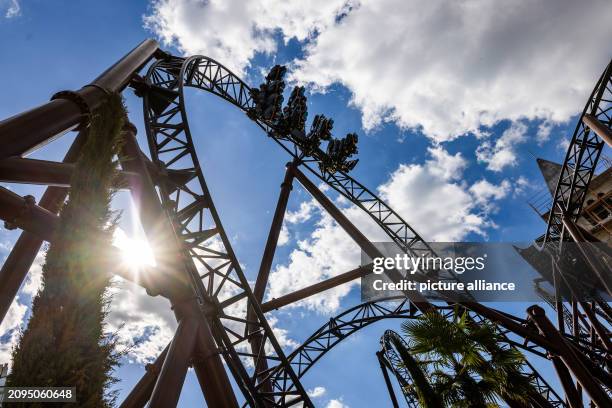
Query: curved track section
x,y
221,285
352,320
397,367
581,160
186,197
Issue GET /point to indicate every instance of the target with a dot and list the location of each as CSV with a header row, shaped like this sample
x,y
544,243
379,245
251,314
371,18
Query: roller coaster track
x,y
580,161
356,318
397,367
220,278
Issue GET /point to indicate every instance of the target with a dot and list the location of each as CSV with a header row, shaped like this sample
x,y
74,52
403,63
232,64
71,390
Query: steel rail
x,y
397,366
358,317
208,75
217,273
580,160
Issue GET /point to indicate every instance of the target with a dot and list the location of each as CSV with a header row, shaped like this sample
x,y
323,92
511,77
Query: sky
x,y
452,102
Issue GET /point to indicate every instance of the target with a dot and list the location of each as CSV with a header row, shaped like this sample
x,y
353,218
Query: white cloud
x,y
13,9
544,130
15,318
502,153
521,185
144,325
336,403
485,193
450,68
233,31
447,68
302,214
429,196
317,392
283,237
445,165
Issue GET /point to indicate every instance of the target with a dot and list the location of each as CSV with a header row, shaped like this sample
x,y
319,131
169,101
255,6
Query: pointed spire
x,y
551,172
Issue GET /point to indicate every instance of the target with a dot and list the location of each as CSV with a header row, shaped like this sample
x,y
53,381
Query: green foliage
x,y
467,363
427,396
64,343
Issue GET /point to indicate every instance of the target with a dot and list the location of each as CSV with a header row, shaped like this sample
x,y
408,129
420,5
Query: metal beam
x,y
275,229
27,131
22,212
316,288
33,171
569,357
364,243
571,392
256,340
595,125
602,332
385,373
591,259
207,355
20,260
170,259
140,394
167,390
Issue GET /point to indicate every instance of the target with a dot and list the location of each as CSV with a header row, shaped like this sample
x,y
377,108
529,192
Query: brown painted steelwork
x,y
170,260
602,130
25,132
33,171
202,335
22,256
569,357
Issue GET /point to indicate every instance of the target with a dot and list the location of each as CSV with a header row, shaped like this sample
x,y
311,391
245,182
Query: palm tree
x,y
468,364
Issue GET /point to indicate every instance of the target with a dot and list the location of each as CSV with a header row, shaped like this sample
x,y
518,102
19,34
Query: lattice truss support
x,y
219,315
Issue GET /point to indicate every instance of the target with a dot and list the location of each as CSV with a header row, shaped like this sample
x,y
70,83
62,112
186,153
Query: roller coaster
x,y
223,331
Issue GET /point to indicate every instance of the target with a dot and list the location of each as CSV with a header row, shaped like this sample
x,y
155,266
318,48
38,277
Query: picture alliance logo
x,y
410,264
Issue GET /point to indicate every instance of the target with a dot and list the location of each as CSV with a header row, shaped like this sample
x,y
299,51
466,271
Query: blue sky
x,y
450,109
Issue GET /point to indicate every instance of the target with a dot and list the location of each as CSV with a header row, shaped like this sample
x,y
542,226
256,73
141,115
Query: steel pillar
x,y
257,339
599,128
167,390
275,229
357,236
26,248
22,212
207,355
385,373
31,171
27,131
569,357
571,393
590,258
602,332
141,393
162,238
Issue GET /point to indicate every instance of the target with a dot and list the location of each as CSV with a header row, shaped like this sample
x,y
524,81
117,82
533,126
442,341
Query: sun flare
x,y
135,251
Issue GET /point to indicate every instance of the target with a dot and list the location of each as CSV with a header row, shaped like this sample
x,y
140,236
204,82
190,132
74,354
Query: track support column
x,y
361,240
602,130
140,394
383,368
168,386
26,248
160,232
571,360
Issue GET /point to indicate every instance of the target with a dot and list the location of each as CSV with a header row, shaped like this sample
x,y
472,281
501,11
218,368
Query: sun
x,y
136,253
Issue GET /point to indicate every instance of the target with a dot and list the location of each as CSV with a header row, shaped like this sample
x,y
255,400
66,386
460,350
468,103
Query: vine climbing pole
x,y
222,327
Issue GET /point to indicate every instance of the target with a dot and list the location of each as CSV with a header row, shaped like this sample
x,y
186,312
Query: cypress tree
x,y
65,343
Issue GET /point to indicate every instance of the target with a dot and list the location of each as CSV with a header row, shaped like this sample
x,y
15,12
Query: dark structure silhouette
x,y
220,317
